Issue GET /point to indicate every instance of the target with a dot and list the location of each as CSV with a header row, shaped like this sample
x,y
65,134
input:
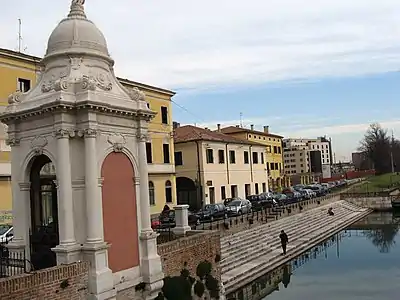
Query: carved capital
x,y
87,133
12,141
64,133
143,137
88,83
117,141
38,144
24,186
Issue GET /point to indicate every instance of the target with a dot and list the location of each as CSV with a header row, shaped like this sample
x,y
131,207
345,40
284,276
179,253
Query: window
x,y
168,191
210,156
267,166
223,193
164,115
166,153
234,191
149,153
262,158
221,156
24,85
247,190
246,157
279,150
178,159
232,157
275,149
257,190
264,187
268,149
152,197
272,166
255,157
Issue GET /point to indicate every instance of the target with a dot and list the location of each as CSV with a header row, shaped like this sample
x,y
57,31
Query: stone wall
x,y
67,282
377,203
198,246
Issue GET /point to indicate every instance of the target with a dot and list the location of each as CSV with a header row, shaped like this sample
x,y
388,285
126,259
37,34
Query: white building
x,y
94,204
294,147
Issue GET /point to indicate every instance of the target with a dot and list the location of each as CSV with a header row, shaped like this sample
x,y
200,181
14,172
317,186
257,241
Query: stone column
x,y
150,263
94,206
101,282
181,219
67,251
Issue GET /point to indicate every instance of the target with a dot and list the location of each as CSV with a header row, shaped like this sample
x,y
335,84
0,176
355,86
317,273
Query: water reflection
x,y
270,282
302,279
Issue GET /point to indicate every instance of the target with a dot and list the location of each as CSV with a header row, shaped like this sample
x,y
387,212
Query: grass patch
x,y
378,183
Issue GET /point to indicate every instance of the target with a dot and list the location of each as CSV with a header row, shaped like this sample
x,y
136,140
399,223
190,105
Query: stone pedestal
x,y
181,219
150,264
101,281
67,254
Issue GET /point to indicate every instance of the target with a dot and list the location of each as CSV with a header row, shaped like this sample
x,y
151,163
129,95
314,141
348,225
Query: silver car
x,y
239,206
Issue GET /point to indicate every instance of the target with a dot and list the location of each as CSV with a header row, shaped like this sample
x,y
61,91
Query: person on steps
x,y
284,241
330,211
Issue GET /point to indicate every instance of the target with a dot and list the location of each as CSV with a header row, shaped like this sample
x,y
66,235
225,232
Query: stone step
x,y
256,250
238,237
262,234
255,267
257,241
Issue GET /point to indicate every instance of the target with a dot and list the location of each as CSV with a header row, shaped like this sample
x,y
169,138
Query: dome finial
x,y
77,9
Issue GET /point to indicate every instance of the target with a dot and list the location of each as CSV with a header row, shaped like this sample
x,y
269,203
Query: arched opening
x,y
168,192
187,193
120,212
44,213
152,194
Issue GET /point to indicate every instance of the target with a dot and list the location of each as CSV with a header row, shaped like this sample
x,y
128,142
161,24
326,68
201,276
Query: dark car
x,y
167,220
212,211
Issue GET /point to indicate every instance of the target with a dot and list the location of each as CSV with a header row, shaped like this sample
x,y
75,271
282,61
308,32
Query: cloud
x,y
184,44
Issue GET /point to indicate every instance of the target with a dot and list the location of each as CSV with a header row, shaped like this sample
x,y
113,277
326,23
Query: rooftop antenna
x,y
20,36
391,153
241,121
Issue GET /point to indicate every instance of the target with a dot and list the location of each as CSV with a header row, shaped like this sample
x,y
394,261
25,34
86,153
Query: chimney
x,y
266,129
219,127
237,126
175,125
206,128
251,127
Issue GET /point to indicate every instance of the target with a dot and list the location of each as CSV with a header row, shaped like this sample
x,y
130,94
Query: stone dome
x,y
77,34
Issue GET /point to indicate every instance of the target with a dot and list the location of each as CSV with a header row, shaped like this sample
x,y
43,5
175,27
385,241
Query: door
x,y
212,195
247,190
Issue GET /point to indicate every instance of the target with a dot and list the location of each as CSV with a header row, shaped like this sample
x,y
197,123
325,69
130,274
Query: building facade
x,y
306,158
274,150
19,71
211,166
80,180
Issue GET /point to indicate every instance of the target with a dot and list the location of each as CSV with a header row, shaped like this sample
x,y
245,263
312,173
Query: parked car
x,y
256,201
212,211
311,194
239,207
281,199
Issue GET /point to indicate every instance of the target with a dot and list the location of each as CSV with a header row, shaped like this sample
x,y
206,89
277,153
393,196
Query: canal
x,y
359,263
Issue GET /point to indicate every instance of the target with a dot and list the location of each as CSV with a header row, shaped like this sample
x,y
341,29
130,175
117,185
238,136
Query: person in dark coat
x,y
330,211
284,241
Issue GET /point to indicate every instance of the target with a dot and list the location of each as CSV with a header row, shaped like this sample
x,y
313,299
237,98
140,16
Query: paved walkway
x,y
248,254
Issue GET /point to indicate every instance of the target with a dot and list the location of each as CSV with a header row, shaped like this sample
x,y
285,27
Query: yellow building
x,y
20,71
274,149
211,166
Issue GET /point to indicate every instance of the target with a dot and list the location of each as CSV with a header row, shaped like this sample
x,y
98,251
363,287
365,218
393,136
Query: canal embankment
x,y
248,254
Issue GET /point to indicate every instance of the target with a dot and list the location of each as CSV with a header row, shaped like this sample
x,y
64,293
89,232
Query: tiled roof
x,y
234,129
189,133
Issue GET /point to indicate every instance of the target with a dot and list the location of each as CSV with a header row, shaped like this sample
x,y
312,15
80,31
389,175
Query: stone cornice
x,y
8,117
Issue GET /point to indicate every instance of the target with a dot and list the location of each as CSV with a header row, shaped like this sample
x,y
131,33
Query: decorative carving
x,y
143,137
12,141
136,94
75,62
88,83
78,2
57,80
15,97
60,85
117,141
64,133
103,82
38,144
88,132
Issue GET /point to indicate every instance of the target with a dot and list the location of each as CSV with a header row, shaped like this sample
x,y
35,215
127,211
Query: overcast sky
x,y
312,67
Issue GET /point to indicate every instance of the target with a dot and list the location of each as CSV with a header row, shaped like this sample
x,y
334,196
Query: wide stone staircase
x,y
248,254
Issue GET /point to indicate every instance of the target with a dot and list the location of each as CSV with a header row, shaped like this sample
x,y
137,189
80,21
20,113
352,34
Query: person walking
x,y
284,241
